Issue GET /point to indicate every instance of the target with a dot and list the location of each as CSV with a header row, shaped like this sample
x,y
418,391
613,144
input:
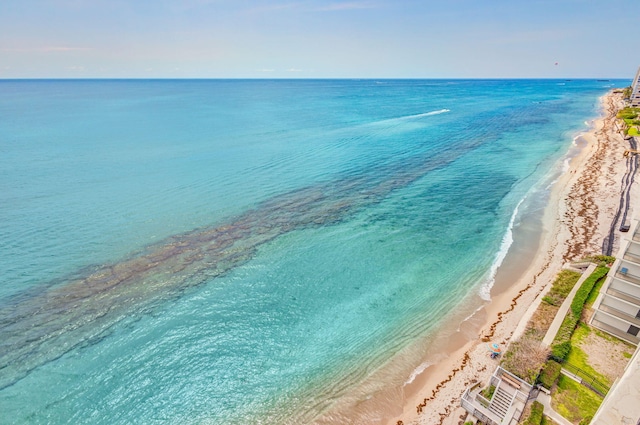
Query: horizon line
x,y
309,78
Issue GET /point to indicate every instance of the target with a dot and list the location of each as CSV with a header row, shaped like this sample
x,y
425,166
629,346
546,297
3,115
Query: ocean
x,y
255,251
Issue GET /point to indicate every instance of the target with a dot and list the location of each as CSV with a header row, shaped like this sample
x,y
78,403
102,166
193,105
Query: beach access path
x,y
564,308
545,400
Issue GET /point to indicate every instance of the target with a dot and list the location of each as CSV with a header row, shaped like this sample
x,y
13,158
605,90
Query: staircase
x,y
500,402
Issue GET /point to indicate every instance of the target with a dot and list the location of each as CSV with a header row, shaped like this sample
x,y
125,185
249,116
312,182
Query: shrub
x,y
566,328
585,289
628,113
525,358
601,260
559,352
549,374
562,285
561,343
488,392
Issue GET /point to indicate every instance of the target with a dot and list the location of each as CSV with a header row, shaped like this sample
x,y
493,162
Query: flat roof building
x,y
617,308
635,91
617,311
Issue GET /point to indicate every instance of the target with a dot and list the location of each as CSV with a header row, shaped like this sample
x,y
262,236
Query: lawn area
x,y
577,357
574,401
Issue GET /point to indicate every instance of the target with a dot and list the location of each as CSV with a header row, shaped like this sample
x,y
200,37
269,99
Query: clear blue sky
x,y
318,39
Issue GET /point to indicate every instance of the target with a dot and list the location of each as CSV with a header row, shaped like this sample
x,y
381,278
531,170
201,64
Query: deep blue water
x,y
240,252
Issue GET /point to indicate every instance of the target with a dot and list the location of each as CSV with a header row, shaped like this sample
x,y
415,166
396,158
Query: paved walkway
x,y
564,308
548,410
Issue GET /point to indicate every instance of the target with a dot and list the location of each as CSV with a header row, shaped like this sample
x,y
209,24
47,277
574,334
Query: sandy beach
x,y
581,205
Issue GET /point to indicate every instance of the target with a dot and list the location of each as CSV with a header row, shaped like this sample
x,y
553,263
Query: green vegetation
x,y
488,392
574,401
549,374
628,113
562,342
601,260
536,416
525,358
561,346
560,352
577,305
561,287
626,92
630,117
631,122
578,358
594,293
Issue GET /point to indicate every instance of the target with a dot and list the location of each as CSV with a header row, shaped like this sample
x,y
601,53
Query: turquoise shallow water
x,y
250,251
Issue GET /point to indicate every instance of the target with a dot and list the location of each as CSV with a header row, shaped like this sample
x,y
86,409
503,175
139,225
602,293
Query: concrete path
x,y
564,308
548,410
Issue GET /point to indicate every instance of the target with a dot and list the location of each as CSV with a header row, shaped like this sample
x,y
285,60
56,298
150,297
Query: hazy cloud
x,y
278,6
354,5
45,49
311,6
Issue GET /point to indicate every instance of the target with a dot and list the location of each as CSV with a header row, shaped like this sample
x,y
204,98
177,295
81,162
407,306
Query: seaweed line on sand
x,y
465,361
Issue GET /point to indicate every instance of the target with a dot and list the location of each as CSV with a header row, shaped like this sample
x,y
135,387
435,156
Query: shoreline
x,y
578,212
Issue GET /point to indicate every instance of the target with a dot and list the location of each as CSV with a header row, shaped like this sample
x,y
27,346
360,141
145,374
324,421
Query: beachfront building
x,y
635,91
617,309
621,406
505,402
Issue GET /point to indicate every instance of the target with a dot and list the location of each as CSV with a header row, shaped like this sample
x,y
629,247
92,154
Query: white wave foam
x,y
392,121
417,371
412,117
469,317
426,114
507,241
566,164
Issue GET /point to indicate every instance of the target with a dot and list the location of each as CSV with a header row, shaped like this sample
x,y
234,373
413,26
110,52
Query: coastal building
x,y
617,308
617,311
621,406
635,91
505,402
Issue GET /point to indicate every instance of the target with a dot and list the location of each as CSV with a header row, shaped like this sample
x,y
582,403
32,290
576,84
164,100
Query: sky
x,y
319,39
